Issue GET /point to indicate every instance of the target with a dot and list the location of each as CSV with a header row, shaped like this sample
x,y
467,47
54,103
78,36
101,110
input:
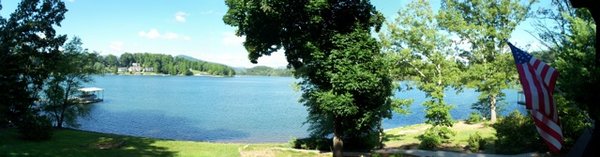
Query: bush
x,y
475,142
434,137
429,140
363,142
313,143
573,121
516,133
352,142
188,73
474,118
35,128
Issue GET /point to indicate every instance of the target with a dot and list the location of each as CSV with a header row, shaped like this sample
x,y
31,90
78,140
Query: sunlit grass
x,y
82,143
407,137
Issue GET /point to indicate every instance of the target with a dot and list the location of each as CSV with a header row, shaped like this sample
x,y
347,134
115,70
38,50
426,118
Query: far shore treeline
x,y
265,71
162,64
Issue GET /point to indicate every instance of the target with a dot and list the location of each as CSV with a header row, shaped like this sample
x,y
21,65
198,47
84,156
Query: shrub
x,y
516,133
312,143
35,128
475,142
188,73
474,118
434,137
572,120
293,143
352,142
429,140
363,142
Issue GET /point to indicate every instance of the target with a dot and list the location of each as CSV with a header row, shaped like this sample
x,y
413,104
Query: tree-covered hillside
x,y
164,64
265,71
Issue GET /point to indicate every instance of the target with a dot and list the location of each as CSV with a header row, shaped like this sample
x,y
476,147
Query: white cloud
x,y
116,46
233,53
155,34
240,59
276,60
181,16
152,34
230,39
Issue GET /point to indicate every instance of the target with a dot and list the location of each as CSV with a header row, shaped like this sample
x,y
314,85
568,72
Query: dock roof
x,y
90,89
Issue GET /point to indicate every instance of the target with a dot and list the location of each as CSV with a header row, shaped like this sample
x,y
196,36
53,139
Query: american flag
x,y
538,80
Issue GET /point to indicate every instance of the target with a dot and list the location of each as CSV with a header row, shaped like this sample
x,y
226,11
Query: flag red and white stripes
x,y
538,80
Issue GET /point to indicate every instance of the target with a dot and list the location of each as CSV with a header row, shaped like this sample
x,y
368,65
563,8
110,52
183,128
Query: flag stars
x,y
521,56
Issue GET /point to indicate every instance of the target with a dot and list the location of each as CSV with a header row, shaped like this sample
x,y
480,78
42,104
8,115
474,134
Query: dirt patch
x,y
463,125
108,143
415,130
278,151
258,153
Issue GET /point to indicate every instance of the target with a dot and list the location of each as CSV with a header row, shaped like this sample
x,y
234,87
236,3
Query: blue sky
x,y
189,27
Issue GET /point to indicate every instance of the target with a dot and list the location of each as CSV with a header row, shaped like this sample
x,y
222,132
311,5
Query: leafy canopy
x,y
346,86
483,25
28,46
421,54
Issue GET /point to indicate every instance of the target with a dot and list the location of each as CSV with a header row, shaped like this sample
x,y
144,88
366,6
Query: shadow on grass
x,y
393,137
80,143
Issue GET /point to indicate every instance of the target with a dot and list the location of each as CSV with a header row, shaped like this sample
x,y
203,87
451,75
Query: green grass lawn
x,y
406,137
77,143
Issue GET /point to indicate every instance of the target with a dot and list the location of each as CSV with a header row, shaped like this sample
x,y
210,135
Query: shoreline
x,y
196,75
407,128
159,74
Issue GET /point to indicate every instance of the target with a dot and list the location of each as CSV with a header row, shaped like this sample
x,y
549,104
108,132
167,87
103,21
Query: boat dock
x,y
90,95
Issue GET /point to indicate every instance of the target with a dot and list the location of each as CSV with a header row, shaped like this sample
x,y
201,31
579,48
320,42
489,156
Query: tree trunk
x,y
338,143
56,116
64,105
493,109
60,121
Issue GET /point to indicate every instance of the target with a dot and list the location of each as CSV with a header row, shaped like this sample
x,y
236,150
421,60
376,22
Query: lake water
x,y
237,109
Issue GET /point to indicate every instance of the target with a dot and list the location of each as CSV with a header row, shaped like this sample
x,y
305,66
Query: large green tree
x,y
569,35
28,46
484,25
112,62
421,51
330,47
71,70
